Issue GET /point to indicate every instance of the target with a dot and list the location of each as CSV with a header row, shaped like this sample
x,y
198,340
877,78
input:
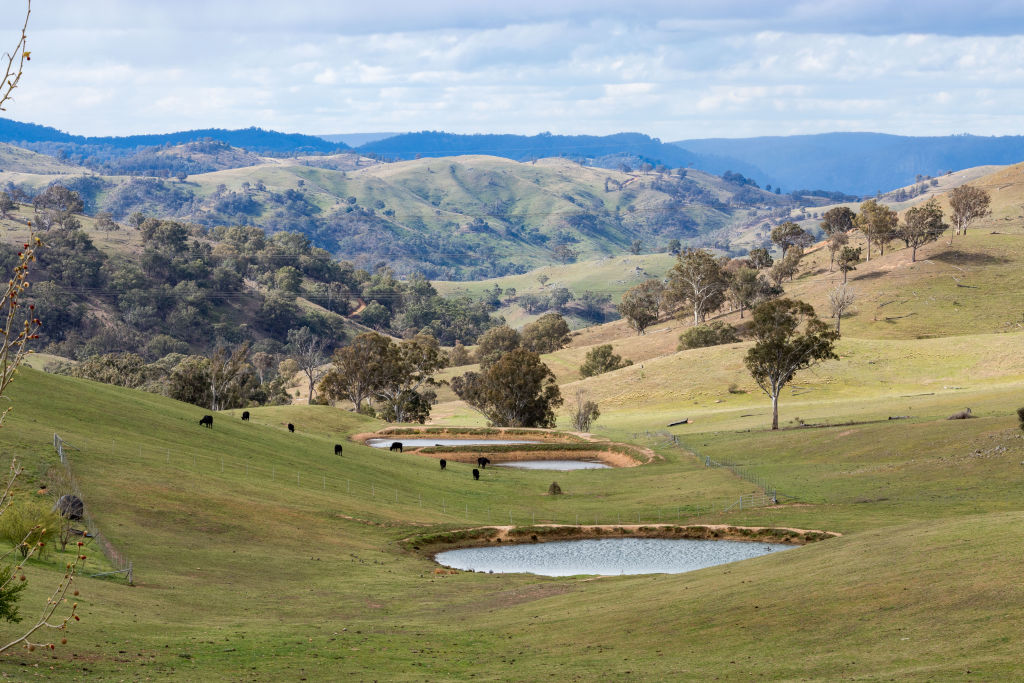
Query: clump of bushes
x,y
27,524
600,360
554,489
712,334
1020,416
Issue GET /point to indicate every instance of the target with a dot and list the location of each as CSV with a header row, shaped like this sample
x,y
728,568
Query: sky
x,y
672,69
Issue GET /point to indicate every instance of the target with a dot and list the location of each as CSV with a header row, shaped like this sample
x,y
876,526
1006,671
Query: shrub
x,y
28,523
708,335
601,359
1020,416
554,489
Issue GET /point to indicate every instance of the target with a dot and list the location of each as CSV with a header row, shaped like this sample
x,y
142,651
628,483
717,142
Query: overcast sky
x,y
672,69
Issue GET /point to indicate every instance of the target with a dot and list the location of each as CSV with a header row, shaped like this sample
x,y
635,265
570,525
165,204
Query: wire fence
x,y
451,508
769,494
121,564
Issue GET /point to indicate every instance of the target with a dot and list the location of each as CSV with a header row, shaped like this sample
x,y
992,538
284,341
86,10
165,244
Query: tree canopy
x,y
517,390
789,337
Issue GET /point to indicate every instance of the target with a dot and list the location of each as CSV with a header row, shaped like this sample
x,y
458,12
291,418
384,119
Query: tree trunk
x,y
775,410
839,319
869,252
845,272
913,254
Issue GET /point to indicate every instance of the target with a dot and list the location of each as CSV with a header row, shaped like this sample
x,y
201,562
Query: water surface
x,y
605,556
559,465
417,443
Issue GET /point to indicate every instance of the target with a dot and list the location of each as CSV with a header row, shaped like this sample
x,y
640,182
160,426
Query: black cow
x,y
483,462
396,446
206,421
245,415
337,449
476,473
444,463
291,427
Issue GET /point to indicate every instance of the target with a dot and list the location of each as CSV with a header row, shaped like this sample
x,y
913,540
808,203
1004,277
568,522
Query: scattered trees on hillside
x,y
517,390
641,305
787,266
697,280
840,300
847,260
921,225
56,206
839,219
836,241
789,337
6,205
355,371
546,334
404,387
583,412
878,223
790,234
496,342
968,204
397,376
602,359
760,259
310,353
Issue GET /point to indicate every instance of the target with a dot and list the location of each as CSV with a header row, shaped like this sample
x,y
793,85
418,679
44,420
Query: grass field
x,y
261,555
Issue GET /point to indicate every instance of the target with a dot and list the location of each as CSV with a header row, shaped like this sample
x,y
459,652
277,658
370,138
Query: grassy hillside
x,y
456,217
258,570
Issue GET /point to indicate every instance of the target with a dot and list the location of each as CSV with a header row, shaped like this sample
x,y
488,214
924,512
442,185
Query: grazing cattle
x,y
964,414
482,462
444,463
206,421
337,449
396,446
291,427
245,415
476,473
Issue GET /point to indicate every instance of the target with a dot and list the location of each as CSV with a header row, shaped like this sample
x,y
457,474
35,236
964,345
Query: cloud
x,y
674,70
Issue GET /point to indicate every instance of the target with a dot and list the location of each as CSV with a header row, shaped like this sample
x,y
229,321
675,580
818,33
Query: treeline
x,y
701,284
192,288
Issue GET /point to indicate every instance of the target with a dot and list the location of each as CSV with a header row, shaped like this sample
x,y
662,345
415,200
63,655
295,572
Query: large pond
x,y
605,556
418,443
559,465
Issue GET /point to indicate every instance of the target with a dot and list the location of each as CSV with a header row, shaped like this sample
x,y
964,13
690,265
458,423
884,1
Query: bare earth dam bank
x,y
606,556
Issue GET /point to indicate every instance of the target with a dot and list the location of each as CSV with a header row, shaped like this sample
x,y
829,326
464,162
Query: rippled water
x,y
416,443
606,556
559,465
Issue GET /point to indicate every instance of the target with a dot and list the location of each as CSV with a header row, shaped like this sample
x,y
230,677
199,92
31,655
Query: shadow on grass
x,y
955,256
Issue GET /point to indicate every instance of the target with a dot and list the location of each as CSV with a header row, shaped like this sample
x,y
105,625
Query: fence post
x,y
131,580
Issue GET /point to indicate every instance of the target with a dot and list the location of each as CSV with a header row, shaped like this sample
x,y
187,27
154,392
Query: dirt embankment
x,y
430,544
577,445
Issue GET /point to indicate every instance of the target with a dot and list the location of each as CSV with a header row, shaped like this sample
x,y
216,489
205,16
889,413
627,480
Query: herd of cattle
x,y
482,463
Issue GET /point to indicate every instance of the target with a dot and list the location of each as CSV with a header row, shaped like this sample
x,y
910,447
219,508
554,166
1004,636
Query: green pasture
x,y
255,574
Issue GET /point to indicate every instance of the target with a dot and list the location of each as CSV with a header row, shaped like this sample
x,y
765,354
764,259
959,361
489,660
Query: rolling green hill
x,y
458,217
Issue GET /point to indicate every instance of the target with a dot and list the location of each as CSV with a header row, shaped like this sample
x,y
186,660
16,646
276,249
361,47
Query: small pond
x,y
559,465
605,556
419,443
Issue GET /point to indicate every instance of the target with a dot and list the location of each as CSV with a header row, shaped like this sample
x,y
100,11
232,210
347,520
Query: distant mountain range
x,y
267,142
856,163
859,163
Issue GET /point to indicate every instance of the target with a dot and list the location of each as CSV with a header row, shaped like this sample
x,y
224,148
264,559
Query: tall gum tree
x,y
789,337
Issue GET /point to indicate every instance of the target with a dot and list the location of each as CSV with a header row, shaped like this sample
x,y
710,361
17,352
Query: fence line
x,y
121,564
457,510
769,494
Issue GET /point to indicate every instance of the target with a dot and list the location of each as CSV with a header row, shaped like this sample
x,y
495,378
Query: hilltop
x,y
452,218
